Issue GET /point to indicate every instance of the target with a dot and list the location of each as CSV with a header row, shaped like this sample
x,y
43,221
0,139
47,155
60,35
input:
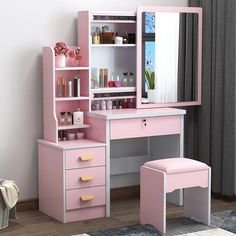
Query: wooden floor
x,y
124,212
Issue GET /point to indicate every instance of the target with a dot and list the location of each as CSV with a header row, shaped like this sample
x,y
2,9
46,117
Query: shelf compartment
x,y
113,45
114,90
113,98
67,127
61,99
71,68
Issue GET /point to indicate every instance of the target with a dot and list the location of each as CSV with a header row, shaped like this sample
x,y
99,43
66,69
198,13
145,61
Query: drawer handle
x,y
86,178
86,198
86,158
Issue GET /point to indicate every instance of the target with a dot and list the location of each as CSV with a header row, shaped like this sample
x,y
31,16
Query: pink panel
x,y
73,158
98,131
73,197
85,213
49,118
131,128
187,180
152,198
51,192
142,9
73,177
83,36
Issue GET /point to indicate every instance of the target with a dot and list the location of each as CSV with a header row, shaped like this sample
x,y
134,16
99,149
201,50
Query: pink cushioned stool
x,y
166,175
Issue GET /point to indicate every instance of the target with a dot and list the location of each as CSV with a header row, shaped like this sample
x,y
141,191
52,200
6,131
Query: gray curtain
x,y
187,57
210,129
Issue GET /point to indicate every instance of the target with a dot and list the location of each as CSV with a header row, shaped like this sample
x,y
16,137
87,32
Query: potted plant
x,y
151,83
61,52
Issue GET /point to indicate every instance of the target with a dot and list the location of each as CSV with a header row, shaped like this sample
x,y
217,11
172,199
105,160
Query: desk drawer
x,y
86,197
87,157
144,127
87,177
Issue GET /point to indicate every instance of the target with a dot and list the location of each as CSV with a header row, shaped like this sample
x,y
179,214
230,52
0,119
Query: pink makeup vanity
x,y
75,176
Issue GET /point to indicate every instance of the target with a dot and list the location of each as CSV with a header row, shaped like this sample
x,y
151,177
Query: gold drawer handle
x,y
87,198
86,158
87,178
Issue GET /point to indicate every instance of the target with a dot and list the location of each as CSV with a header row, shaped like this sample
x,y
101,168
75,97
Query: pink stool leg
x,y
153,198
197,202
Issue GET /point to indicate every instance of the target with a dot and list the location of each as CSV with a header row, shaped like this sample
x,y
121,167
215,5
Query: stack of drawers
x,y
85,183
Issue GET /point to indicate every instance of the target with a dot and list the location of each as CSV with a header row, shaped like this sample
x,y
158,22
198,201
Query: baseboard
x,y
28,205
125,192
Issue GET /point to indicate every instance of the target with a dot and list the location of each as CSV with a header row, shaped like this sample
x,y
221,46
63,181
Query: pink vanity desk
x,y
135,123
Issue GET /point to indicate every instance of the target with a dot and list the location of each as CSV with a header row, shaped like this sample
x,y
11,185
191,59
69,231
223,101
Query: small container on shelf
x,y
131,81
114,105
106,36
103,105
71,136
96,36
78,117
109,104
63,135
76,86
125,104
131,38
111,83
64,87
59,87
125,80
101,78
69,89
62,118
79,135
117,82
94,78
105,74
69,118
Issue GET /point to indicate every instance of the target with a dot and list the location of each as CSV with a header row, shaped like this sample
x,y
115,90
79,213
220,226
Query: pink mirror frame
x,y
142,9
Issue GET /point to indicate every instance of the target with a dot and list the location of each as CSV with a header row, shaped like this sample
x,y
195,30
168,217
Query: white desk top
x,y
134,113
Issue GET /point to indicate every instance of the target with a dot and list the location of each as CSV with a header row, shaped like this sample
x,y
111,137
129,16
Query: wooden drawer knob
x,y
86,198
86,178
86,158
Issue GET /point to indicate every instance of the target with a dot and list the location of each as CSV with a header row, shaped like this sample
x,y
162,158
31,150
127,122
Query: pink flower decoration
x,y
61,49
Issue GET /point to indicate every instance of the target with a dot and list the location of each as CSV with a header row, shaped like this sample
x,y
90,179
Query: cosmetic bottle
x,y
76,86
64,87
101,78
131,79
125,103
69,118
96,36
78,117
120,104
114,105
103,105
117,82
105,73
125,80
62,118
109,104
59,87
69,87
111,83
64,135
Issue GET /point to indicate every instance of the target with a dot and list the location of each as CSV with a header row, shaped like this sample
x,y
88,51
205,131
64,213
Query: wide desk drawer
x,y
87,157
144,127
87,177
86,197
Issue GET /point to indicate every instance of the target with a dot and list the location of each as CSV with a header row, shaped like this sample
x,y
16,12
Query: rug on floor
x,y
225,220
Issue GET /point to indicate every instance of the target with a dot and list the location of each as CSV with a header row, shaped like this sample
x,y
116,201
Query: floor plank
x,y
123,212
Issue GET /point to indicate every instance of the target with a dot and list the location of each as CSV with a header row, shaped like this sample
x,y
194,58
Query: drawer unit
x,y
87,177
144,127
86,157
86,197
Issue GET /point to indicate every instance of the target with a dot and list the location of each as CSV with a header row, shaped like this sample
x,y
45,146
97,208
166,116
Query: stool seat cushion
x,y
176,165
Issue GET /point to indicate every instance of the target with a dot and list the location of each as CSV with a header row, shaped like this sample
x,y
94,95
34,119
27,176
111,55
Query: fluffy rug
x,y
222,223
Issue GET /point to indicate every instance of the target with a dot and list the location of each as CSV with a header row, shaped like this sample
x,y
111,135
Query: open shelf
x,y
61,99
113,98
114,90
72,68
113,45
67,127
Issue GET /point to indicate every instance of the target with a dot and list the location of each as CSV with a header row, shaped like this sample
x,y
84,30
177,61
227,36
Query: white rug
x,y
211,232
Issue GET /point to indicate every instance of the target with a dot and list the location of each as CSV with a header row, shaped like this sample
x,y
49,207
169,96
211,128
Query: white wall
x,y
26,26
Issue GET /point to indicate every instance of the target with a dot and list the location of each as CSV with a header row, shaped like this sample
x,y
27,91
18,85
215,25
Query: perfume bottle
x,y
111,83
131,79
62,118
69,118
125,80
59,87
69,89
117,82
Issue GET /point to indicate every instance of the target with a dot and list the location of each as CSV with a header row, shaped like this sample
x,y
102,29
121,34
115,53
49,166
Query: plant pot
x,y
60,61
152,95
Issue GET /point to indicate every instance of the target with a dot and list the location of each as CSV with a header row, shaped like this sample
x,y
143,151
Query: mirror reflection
x,y
169,57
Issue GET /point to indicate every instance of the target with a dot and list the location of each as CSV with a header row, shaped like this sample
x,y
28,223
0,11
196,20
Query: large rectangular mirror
x,y
169,56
